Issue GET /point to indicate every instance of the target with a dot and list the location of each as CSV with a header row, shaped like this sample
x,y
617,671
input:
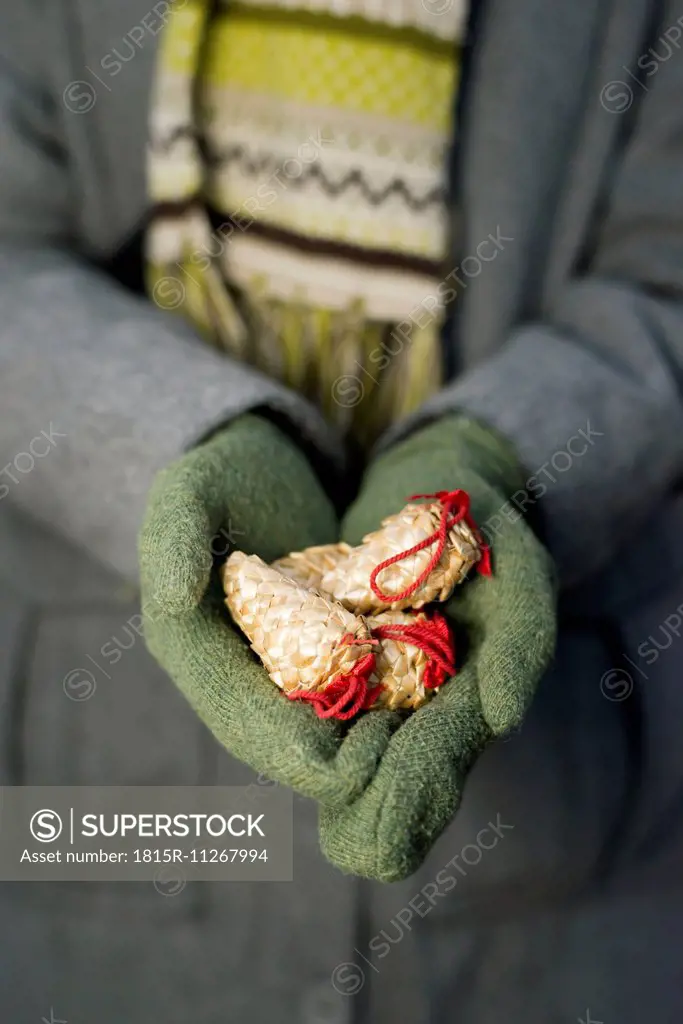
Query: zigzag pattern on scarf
x,y
268,162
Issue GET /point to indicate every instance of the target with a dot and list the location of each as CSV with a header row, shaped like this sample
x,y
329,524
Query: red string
x,y
434,637
455,506
348,694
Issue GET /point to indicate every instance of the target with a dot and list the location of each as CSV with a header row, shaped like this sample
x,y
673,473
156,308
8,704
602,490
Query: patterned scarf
x,y
297,173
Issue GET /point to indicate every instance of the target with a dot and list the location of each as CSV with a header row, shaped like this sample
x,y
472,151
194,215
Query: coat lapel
x,y
115,55
535,87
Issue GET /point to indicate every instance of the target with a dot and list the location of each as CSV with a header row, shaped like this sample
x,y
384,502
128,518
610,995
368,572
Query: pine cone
x,y
306,642
407,674
308,567
348,581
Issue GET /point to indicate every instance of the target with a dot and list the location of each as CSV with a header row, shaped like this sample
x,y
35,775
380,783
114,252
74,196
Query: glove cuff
x,y
471,445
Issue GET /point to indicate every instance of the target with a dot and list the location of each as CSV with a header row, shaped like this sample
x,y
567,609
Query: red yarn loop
x,y
348,694
434,637
455,506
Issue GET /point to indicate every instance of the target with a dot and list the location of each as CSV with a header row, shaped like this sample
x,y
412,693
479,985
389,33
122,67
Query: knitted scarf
x,y
297,176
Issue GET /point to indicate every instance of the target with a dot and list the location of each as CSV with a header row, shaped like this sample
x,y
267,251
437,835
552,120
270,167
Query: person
x,y
267,271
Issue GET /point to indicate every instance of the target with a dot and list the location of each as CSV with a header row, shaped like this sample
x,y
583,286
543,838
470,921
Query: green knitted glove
x,y
508,623
251,486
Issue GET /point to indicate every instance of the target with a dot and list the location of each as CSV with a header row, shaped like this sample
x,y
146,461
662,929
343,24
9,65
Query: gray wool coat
x,y
569,340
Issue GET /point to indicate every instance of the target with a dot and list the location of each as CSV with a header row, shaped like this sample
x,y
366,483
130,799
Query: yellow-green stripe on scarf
x,y
297,166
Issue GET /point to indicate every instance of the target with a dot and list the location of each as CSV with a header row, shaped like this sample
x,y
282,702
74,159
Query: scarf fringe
x,y
363,374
